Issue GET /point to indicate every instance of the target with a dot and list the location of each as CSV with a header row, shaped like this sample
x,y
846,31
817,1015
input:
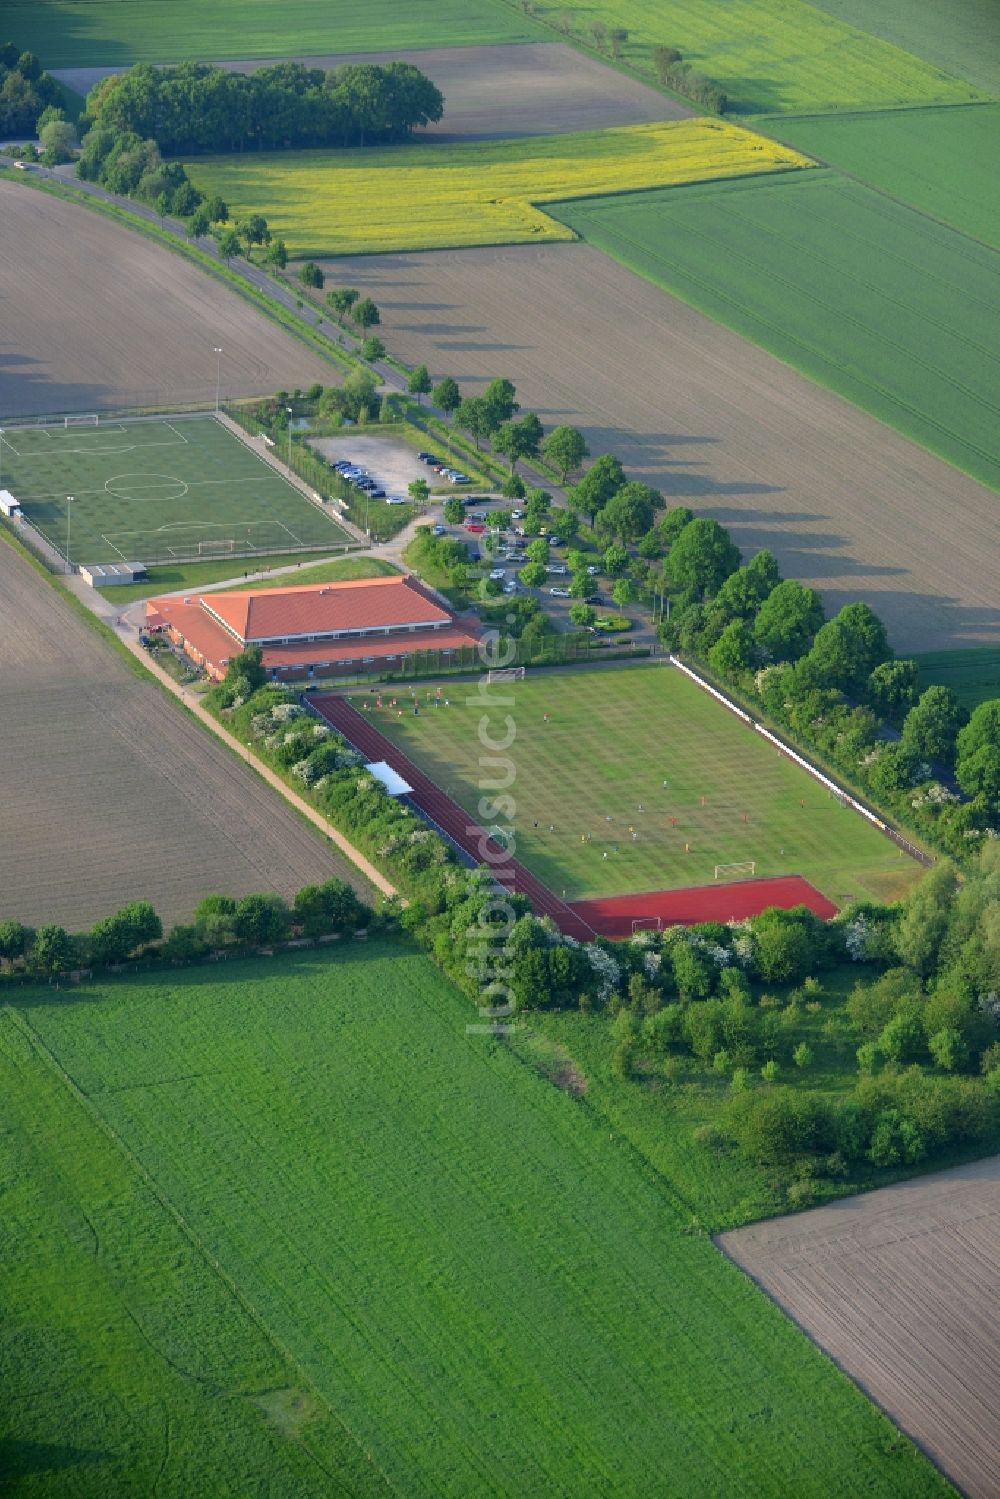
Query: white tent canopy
x,y
391,780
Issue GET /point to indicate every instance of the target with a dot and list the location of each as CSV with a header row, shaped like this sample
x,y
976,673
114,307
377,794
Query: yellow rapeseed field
x,y
430,196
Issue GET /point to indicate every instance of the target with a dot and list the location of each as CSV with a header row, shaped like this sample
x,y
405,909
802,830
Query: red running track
x,y
613,917
449,816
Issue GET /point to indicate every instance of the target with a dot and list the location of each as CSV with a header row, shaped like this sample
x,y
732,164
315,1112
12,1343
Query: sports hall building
x,y
372,624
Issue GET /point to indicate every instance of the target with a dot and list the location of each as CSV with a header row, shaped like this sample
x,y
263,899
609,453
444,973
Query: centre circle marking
x,y
141,487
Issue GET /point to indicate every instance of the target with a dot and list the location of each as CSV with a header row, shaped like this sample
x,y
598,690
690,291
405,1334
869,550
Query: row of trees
x,y
136,931
197,107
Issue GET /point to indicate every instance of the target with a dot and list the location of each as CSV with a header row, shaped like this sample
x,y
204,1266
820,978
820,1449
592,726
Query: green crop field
x,y
298,1201
430,196
890,309
92,33
941,161
158,491
960,37
611,741
972,674
128,1365
772,55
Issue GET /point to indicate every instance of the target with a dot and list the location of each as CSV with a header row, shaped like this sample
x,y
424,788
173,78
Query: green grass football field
x,y
167,490
287,1228
894,311
612,739
89,33
937,160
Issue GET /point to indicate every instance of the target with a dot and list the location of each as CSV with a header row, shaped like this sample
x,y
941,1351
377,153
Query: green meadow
x,y
960,37
286,1227
942,161
95,33
893,311
972,674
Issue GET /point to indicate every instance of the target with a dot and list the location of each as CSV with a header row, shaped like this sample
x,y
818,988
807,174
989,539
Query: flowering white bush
x,y
285,712
936,795
741,946
607,969
856,939
651,962
989,1003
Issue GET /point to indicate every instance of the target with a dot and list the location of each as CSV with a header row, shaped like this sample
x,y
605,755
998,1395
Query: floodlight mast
x,y
218,375
69,518
289,410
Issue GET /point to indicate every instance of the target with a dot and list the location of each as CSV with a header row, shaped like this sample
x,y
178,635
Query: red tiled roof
x,y
216,646
314,652
325,608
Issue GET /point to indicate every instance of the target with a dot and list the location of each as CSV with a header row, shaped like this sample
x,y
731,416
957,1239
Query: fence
x,y
786,749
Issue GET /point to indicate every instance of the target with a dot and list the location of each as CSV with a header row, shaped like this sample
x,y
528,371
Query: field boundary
x,y
846,797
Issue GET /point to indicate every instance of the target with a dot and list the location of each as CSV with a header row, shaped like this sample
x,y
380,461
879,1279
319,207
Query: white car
x,y
497,574
560,593
510,586
517,515
593,571
557,570
396,499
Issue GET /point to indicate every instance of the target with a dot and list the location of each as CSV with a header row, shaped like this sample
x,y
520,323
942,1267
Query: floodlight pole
x,y
289,410
69,517
218,376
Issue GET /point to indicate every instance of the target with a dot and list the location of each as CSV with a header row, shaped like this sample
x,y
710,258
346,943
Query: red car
x,y
474,526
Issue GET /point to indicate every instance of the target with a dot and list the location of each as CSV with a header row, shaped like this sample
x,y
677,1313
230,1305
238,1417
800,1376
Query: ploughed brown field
x,y
900,1288
96,317
847,504
112,793
540,88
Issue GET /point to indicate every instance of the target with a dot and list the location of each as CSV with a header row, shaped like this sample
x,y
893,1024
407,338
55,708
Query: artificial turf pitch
x,y
166,490
710,790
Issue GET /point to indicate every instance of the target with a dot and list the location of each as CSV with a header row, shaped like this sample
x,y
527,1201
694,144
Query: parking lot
x,y
392,464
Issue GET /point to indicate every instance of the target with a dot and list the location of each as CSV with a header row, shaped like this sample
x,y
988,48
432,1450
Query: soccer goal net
x,y
221,548
81,421
506,674
736,871
647,924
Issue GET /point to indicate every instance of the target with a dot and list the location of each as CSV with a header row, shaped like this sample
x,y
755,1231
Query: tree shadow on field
x,y
445,330
27,391
19,1459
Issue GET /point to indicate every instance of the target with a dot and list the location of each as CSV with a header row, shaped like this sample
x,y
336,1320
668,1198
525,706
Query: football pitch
x,y
641,751
167,490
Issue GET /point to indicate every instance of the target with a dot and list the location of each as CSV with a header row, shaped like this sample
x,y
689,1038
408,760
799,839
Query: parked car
x,y
426,457
454,478
475,526
510,586
439,530
517,515
380,494
560,593
557,569
593,571
555,541
497,573
396,499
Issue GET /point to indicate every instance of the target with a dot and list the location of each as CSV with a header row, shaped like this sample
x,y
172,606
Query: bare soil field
x,y
846,504
111,793
899,1287
542,88
96,317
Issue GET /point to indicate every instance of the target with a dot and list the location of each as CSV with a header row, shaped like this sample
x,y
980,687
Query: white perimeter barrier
x,y
817,774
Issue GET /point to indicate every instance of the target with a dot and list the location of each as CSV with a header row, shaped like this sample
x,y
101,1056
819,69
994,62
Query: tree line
x,y
135,932
25,91
196,107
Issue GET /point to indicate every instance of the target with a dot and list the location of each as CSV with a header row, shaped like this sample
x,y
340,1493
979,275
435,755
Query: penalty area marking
x,y
91,449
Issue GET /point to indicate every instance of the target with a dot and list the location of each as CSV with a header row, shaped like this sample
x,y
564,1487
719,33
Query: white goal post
x,y
210,548
82,421
740,870
505,674
647,924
